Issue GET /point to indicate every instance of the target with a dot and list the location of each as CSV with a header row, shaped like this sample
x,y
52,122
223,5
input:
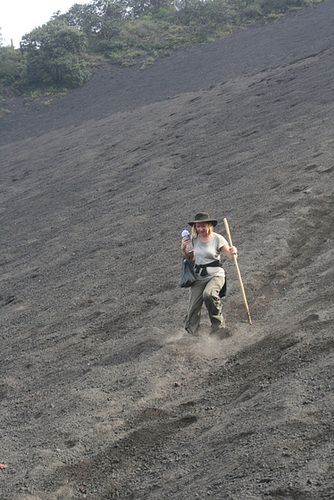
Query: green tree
x,y
100,21
12,64
143,6
55,55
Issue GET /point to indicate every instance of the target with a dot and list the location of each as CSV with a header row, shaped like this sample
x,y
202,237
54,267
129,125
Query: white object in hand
x,y
185,234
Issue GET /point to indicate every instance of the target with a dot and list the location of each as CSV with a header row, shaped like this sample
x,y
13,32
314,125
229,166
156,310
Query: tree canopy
x,y
54,55
59,52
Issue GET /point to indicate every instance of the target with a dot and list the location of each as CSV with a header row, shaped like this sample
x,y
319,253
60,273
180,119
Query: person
x,y
210,275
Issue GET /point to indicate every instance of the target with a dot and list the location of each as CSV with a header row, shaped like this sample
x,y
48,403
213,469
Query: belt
x,y
201,268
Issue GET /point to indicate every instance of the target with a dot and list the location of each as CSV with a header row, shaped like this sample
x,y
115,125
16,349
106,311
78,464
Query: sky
x,y
18,17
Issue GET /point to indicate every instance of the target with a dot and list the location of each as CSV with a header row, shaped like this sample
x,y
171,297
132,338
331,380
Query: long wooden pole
x,y
238,271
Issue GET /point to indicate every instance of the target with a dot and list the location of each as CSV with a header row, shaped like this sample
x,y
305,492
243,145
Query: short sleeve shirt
x,y
206,252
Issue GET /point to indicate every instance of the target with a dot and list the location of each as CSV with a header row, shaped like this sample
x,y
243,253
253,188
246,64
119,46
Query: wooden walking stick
x,y
238,271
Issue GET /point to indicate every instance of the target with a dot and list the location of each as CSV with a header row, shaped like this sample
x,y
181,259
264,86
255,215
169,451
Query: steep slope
x,y
102,394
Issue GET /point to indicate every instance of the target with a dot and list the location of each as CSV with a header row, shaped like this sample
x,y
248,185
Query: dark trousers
x,y
207,292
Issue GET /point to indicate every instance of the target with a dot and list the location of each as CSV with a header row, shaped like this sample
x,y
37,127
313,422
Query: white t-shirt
x,y
206,252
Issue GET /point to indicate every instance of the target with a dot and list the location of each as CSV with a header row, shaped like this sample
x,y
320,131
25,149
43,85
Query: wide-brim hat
x,y
203,217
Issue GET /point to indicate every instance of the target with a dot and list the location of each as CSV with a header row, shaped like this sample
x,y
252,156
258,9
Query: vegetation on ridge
x,y
59,54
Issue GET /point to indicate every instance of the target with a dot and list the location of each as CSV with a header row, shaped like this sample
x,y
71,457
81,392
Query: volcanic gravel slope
x,y
102,394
